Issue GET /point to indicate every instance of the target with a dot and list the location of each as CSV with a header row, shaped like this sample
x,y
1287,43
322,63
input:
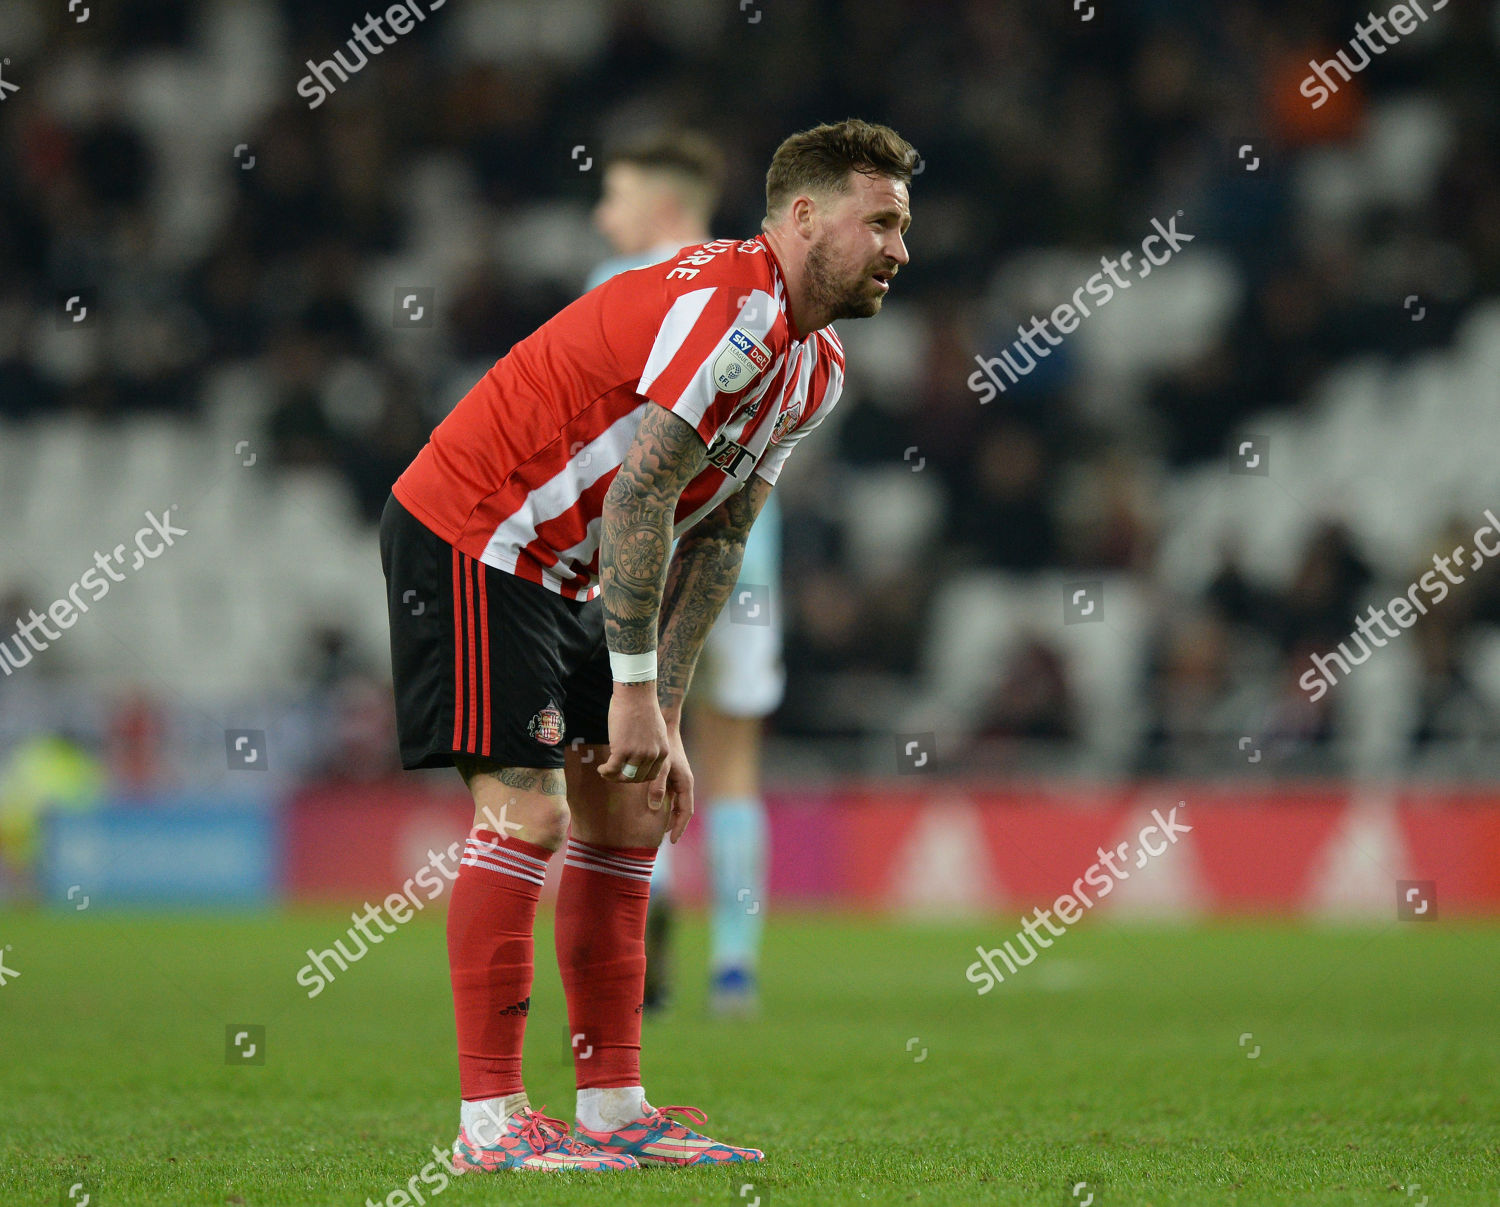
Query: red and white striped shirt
x,y
516,474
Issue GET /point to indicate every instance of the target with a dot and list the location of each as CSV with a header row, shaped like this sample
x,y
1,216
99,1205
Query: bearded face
x,y
846,286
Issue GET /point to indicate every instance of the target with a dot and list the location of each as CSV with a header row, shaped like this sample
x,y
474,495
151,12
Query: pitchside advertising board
x,y
936,848
186,851
970,848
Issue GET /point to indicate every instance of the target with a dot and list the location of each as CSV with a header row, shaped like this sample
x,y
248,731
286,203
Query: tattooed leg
x,y
530,803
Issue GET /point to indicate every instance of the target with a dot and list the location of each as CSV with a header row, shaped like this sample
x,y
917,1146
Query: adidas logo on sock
x,y
521,1007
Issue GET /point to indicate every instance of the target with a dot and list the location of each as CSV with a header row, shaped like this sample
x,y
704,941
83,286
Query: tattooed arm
x,y
635,543
702,575
635,539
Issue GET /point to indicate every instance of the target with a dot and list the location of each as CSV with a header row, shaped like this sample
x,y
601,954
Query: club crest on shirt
x,y
739,362
785,422
547,726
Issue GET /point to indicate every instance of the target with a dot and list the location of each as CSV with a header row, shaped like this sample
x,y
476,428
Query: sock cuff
x,y
517,844
509,856
632,863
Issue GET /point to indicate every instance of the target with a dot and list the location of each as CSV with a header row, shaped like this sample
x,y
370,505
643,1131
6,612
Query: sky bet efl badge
x,y
742,359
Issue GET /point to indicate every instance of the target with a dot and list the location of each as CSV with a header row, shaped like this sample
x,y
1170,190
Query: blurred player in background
x,y
660,194
534,596
46,772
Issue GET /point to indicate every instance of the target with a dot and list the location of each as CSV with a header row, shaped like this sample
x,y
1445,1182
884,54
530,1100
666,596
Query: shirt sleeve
x,y
776,454
709,349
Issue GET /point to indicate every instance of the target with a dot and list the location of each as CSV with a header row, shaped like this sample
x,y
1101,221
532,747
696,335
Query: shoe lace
x,y
659,1115
543,1132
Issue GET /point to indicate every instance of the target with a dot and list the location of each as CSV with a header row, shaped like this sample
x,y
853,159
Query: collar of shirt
x,y
791,326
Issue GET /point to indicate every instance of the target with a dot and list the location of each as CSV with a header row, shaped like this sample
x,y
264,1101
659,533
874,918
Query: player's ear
x,y
805,215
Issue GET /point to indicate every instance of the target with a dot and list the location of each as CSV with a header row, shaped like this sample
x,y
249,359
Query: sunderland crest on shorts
x,y
740,361
547,726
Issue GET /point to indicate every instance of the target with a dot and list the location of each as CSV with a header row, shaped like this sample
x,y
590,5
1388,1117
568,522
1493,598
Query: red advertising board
x,y
1319,849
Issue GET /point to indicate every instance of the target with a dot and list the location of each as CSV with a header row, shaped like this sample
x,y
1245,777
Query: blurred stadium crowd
x,y
242,253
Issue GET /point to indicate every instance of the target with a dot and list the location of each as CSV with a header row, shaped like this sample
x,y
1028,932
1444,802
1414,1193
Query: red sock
x,y
601,953
490,919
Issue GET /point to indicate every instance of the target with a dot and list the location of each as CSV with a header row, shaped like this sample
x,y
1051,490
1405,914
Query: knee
x,y
549,826
647,833
620,818
541,821
534,810
635,824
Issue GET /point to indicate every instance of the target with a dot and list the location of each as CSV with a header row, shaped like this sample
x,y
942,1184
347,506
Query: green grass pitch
x,y
1226,1064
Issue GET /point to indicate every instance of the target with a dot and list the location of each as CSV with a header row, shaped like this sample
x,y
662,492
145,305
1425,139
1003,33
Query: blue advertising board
x,y
172,854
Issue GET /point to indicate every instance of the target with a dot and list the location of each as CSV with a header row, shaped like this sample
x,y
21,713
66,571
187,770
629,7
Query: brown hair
x,y
820,160
692,161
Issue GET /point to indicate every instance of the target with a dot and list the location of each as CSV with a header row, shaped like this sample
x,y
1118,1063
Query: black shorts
x,y
486,663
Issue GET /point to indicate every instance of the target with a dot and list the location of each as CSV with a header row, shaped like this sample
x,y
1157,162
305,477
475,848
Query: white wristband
x,y
632,668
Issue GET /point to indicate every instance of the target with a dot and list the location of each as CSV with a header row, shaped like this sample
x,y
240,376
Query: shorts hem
x,y
449,758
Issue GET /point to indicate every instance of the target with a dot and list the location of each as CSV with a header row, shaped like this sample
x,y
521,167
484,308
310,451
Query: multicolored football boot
x,y
656,1140
532,1140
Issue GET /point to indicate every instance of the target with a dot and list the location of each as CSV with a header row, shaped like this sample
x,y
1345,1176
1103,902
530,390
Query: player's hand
x,y
638,746
674,786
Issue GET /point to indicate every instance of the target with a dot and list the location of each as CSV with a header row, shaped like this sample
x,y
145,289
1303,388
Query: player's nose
x,y
895,249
